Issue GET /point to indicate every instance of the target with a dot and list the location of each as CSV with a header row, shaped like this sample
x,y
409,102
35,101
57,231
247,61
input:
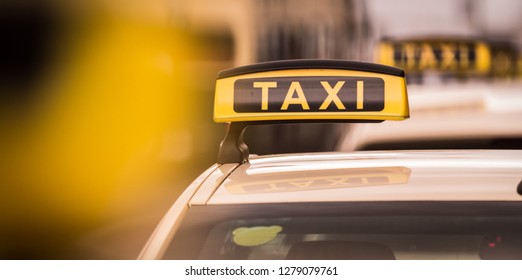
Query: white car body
x,y
450,175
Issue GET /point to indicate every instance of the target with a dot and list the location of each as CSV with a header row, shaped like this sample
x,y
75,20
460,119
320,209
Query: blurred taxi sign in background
x,y
457,55
451,55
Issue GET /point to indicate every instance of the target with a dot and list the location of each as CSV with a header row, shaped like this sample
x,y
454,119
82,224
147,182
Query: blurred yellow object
x,y
99,130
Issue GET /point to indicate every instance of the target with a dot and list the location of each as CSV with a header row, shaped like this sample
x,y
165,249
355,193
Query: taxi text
x,y
309,94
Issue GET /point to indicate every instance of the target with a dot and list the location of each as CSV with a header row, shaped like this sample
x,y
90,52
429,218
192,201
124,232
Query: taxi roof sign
x,y
444,54
305,91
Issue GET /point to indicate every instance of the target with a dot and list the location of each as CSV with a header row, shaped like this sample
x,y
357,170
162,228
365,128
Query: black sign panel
x,y
309,94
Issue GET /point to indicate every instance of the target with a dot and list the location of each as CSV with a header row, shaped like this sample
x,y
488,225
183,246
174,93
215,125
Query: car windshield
x,y
351,230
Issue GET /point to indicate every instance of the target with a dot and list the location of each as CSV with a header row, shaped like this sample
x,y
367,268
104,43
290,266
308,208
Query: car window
x,y
473,143
352,230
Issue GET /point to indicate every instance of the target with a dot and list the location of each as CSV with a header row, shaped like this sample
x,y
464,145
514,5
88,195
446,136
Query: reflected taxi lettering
x,y
343,178
309,94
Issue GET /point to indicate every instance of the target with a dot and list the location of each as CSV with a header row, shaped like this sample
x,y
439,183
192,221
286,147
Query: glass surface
x,y
352,230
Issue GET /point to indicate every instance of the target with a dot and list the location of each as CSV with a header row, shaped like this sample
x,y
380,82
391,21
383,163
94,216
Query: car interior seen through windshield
x,y
352,230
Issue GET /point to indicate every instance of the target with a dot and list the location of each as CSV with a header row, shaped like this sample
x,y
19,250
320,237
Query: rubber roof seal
x,y
311,64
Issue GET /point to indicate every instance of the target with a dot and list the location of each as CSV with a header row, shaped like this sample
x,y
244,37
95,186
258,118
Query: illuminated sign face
x,y
311,90
441,55
309,94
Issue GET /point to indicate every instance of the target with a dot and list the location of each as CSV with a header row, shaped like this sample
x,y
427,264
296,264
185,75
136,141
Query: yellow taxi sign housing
x,y
311,90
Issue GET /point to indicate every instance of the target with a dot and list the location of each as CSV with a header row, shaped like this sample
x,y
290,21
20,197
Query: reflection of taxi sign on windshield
x,y
305,90
448,55
320,179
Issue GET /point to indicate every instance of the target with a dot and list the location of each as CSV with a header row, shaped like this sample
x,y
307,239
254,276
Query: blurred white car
x,y
457,116
445,204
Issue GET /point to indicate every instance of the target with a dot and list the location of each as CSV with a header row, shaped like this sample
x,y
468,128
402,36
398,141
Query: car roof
x,y
452,175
